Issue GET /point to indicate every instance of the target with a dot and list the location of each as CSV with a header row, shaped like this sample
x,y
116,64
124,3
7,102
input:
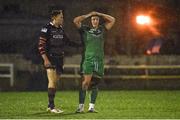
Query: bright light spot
x,y
143,20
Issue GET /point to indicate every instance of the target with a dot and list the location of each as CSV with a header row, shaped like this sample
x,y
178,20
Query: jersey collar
x,y
53,24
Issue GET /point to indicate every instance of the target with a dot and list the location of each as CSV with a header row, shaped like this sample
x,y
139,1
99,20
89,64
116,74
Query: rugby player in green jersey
x,y
92,64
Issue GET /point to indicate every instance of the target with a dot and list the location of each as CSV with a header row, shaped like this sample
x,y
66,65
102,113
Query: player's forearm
x,y
106,17
45,58
81,18
77,20
109,20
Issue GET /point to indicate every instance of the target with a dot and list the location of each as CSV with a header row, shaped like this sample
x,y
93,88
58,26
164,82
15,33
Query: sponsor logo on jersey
x,y
58,36
95,32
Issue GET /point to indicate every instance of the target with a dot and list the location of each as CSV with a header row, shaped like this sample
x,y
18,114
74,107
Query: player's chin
x,y
95,26
60,23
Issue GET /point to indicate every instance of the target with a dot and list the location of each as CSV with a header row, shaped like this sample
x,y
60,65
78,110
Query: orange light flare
x,y
143,20
147,22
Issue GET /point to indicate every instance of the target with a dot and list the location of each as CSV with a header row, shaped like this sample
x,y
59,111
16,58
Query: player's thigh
x,y
87,67
87,78
52,75
99,68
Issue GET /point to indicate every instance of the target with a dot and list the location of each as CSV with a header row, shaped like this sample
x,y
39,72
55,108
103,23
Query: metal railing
x,y
146,69
10,73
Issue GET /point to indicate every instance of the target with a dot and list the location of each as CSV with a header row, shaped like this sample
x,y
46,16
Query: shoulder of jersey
x,y
45,28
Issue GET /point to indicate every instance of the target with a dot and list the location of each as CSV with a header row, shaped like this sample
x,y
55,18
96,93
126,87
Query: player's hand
x,y
98,13
93,13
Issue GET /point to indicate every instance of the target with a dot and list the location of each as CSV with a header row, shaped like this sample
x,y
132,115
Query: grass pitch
x,y
110,104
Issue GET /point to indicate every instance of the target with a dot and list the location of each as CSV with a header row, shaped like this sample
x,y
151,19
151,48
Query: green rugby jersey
x,y
93,40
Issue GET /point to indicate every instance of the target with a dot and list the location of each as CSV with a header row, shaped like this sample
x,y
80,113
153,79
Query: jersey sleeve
x,y
43,40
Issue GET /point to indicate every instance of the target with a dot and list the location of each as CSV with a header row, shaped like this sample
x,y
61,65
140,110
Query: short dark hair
x,y
56,12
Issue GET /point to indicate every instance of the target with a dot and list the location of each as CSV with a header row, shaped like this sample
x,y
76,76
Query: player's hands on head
x,y
93,13
98,13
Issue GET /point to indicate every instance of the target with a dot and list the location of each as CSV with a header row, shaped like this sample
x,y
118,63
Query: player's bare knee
x,y
52,84
85,85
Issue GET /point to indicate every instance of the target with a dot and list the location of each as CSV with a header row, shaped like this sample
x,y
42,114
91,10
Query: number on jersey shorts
x,y
93,67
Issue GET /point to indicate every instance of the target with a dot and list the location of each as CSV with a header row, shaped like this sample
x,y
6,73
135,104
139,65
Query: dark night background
x,y
21,20
126,43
